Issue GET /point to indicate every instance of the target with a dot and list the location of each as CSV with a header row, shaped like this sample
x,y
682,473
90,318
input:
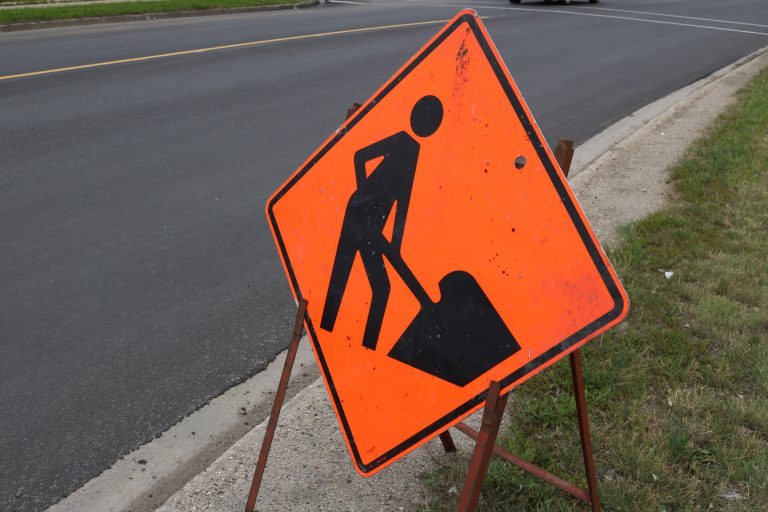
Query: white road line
x,y
647,13
680,16
559,11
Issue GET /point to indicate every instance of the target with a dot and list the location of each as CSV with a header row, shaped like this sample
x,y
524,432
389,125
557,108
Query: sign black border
x,y
594,252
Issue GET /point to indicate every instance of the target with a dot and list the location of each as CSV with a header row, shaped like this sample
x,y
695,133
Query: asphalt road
x,y
138,278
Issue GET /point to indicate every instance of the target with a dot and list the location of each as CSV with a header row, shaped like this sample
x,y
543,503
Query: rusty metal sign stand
x,y
261,464
494,410
486,446
491,421
486,437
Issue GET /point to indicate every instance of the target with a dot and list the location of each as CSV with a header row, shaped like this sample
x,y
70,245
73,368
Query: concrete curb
x,y
632,171
601,143
143,479
122,18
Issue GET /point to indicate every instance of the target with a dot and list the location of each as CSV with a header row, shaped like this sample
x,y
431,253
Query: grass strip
x,y
678,395
99,10
21,3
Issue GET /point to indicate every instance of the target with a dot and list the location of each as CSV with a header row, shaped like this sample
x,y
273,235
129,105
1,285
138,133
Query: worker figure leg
x,y
342,268
380,288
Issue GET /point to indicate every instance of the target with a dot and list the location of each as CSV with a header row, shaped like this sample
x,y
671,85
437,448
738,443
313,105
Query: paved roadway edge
x,y
151,16
145,478
601,143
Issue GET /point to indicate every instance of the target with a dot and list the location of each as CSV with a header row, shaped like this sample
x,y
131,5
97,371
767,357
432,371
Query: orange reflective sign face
x,y
439,248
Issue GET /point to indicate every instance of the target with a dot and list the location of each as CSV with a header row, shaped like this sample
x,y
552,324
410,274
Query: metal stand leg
x,y
351,110
486,441
448,444
590,497
586,442
564,155
301,312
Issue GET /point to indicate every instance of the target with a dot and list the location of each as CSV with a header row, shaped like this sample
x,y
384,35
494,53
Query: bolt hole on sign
x,y
439,248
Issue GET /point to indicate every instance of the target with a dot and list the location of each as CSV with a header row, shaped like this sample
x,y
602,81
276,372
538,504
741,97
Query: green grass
x,y
28,2
678,395
98,10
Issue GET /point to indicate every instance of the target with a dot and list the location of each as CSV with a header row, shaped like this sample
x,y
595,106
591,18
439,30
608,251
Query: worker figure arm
x,y
401,212
381,148
403,193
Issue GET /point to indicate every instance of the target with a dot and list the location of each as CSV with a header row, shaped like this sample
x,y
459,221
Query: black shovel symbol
x,y
459,337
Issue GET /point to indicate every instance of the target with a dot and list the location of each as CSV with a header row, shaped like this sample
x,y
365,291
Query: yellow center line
x,y
218,48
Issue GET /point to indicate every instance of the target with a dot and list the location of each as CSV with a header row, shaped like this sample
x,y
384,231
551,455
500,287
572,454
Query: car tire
x,y
515,1
565,2
594,1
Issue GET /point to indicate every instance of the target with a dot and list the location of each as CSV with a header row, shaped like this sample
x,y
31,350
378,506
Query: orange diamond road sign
x,y
439,247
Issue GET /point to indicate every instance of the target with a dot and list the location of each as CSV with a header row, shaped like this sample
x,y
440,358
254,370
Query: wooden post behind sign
x,y
494,410
298,326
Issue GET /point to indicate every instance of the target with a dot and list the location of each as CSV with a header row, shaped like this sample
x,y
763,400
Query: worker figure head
x,y
426,116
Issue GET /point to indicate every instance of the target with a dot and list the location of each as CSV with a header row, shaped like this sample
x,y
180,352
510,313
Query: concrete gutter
x,y
619,176
122,18
145,478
